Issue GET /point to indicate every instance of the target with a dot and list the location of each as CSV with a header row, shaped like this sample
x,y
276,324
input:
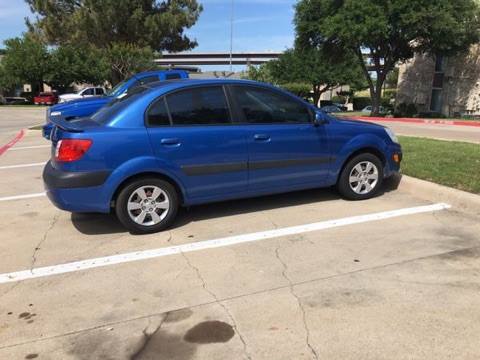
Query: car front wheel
x,y
361,178
147,205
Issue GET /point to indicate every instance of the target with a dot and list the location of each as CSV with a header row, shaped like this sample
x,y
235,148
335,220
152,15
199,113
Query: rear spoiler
x,y
70,126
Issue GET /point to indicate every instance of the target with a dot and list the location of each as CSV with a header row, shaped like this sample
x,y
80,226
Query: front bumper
x,y
394,159
76,191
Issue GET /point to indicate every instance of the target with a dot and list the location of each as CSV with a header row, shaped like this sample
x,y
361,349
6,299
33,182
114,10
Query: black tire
x,y
122,212
343,184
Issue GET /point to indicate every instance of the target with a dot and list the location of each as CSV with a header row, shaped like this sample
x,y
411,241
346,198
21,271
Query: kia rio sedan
x,y
172,144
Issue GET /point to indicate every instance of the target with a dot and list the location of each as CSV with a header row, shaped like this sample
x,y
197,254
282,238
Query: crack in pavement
x,y
241,296
44,238
217,301
147,337
300,305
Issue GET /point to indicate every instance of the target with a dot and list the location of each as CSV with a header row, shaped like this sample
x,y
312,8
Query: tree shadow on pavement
x,y
97,224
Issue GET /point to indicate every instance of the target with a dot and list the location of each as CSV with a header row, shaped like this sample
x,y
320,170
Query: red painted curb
x,y
419,121
12,142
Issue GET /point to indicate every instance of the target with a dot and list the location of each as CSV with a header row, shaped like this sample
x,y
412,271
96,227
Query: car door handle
x,y
170,142
261,137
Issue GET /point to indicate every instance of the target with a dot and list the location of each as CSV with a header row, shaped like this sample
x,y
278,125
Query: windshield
x,y
116,91
108,112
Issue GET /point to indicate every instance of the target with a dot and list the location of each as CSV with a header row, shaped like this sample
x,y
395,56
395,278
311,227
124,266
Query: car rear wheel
x,y
361,178
147,205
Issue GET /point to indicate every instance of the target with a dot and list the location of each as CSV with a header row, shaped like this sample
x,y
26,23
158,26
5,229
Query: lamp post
x,y
231,35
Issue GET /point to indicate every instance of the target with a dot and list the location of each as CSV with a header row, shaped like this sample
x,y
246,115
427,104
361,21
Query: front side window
x,y
199,106
88,91
262,106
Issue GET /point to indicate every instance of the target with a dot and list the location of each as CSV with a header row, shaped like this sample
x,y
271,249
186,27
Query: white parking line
x,y
21,166
19,197
210,244
28,147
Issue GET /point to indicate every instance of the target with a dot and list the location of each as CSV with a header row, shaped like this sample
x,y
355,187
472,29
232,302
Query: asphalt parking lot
x,y
304,275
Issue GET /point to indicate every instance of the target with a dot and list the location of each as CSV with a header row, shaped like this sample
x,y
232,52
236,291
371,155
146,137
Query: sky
x,y
259,25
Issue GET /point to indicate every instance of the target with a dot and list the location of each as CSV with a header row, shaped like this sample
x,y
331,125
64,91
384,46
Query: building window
x,y
436,103
437,86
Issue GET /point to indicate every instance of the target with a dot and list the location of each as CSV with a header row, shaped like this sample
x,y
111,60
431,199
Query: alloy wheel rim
x,y
148,205
363,178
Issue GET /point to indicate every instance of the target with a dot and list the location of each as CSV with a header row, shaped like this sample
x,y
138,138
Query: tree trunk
x,y
376,96
316,95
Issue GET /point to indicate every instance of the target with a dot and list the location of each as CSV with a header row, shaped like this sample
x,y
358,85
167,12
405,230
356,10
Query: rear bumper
x,y
76,191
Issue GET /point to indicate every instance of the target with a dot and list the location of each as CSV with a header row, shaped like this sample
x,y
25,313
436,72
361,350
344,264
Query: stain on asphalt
x,y
335,298
30,214
31,356
209,332
177,316
162,345
27,317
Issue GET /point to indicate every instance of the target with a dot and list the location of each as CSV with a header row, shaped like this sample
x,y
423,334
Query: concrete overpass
x,y
197,59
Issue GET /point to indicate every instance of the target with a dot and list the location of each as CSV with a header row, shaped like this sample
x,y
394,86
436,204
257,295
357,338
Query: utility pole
x,y
231,35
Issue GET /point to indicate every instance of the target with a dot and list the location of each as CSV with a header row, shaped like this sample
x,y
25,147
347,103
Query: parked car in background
x,y
368,110
179,143
84,93
331,109
46,98
86,107
16,100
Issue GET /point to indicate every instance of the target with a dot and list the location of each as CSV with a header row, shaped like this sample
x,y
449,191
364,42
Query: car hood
x,y
358,122
97,100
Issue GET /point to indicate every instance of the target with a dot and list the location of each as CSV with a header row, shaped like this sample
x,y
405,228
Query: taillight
x,y
69,150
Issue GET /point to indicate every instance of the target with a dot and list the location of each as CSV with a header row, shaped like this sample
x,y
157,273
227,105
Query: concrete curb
x,y
12,142
460,200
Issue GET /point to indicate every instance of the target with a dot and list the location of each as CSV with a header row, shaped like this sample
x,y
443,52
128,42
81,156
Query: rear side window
x,y
157,114
263,106
172,76
199,106
100,91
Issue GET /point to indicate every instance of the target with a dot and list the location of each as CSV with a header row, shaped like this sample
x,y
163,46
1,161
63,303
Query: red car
x,y
45,98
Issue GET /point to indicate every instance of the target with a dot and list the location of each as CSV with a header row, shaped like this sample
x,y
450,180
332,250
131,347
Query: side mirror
x,y
320,119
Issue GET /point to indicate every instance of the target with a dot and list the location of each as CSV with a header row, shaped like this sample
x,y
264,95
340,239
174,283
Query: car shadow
x,y
98,224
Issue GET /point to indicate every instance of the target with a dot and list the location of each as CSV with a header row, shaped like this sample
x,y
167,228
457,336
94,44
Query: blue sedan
x,y
171,144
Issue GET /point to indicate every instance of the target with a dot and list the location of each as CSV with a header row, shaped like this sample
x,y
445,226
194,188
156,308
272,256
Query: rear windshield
x,y
108,112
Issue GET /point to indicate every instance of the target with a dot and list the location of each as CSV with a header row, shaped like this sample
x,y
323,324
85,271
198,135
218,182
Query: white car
x,y
87,92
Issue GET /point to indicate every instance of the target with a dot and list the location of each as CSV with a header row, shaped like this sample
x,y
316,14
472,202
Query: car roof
x,y
185,83
156,72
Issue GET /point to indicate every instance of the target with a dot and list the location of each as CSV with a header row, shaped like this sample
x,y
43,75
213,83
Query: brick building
x,y
450,86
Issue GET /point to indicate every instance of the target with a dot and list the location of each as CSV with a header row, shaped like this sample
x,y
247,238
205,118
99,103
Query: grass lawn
x,y
449,163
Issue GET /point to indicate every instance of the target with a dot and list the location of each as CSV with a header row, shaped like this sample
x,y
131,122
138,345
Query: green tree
x,y
314,67
70,64
26,61
128,27
126,59
260,73
387,31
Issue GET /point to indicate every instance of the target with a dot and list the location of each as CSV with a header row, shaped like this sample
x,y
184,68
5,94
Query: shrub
x,y
359,103
300,89
406,110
